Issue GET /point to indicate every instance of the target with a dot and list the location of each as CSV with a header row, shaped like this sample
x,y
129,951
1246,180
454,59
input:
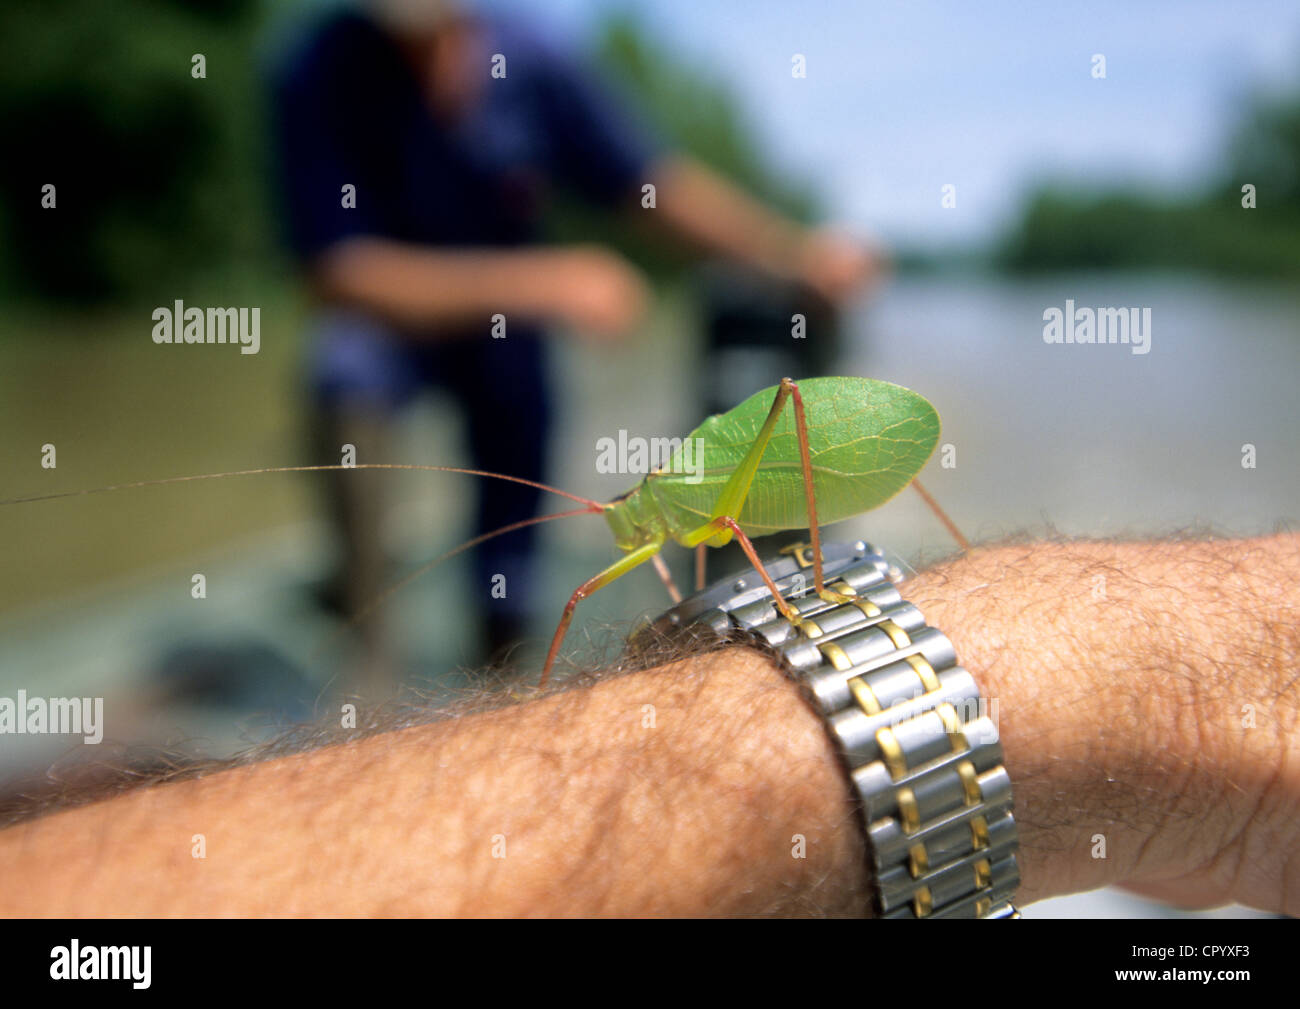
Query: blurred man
x,y
419,142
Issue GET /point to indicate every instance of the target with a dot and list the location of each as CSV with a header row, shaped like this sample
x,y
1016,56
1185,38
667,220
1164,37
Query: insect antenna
x,y
592,506
352,621
356,618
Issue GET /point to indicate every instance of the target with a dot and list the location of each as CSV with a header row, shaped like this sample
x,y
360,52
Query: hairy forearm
x,y
681,790
585,802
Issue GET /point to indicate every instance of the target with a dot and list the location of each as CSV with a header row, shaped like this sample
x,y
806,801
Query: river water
x,y
1095,439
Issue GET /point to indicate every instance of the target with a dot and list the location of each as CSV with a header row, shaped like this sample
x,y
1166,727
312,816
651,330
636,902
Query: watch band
x,y
920,747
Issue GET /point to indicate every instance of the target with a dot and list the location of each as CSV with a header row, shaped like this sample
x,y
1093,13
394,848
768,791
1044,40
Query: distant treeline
x,y
156,173
1065,228
162,178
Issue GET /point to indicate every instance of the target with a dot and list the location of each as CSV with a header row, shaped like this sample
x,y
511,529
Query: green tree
x,y
1067,228
155,171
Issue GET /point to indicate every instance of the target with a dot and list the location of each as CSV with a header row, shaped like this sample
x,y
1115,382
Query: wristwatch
x,y
918,741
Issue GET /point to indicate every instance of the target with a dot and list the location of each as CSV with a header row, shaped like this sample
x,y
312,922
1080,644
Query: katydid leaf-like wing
x,y
867,439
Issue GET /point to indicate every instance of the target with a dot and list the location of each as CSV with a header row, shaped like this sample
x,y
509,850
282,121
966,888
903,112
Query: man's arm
x,y
592,289
707,210
580,803
1122,674
421,288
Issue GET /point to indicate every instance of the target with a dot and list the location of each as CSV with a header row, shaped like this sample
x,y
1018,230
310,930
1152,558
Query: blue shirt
x,y
348,110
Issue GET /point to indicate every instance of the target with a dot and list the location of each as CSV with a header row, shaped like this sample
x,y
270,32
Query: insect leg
x,y
666,576
596,582
942,516
701,566
713,527
805,458
732,498
733,495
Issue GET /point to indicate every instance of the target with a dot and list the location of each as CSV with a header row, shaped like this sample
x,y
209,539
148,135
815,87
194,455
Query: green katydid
x,y
845,446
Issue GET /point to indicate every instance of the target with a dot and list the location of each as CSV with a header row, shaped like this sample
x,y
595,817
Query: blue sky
x,y
904,97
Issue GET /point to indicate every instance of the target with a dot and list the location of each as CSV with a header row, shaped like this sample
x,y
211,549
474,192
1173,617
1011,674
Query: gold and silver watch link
x,y
918,741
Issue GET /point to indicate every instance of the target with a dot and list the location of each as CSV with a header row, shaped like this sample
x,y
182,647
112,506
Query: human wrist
x,y
1118,672
920,760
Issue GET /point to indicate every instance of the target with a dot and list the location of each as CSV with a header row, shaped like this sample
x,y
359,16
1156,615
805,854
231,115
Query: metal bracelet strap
x,y
923,754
